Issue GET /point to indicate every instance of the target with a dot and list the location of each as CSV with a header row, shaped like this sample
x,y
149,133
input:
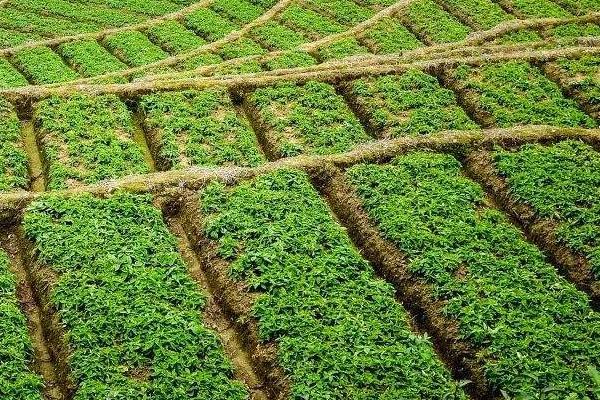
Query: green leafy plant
x,y
390,36
134,48
340,333
86,139
131,313
435,24
199,128
173,37
42,66
13,158
88,58
17,381
310,118
413,103
532,330
516,93
560,182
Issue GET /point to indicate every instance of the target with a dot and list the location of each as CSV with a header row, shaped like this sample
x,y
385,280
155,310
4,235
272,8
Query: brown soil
x,y
50,347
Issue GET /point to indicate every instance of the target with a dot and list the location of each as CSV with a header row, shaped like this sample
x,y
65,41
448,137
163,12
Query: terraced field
x,y
300,199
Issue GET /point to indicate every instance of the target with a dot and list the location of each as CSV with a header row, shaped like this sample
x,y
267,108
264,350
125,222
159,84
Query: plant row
x,y
97,14
515,93
198,128
580,77
152,8
131,315
9,38
17,380
560,182
533,333
339,331
410,104
86,139
13,158
309,119
432,24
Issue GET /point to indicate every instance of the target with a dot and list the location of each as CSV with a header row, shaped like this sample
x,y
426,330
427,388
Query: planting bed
x,y
304,119
86,139
299,199
490,280
198,128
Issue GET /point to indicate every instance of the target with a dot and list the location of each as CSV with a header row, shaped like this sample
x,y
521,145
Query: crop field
x,y
300,199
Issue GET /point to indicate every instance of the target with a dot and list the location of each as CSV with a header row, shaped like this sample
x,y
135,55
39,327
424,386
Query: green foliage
x,y
88,58
561,182
42,66
199,128
148,7
9,76
17,381
239,11
134,48
209,24
538,8
174,37
390,36
435,24
277,37
241,47
294,59
569,31
311,119
516,93
246,67
9,38
345,47
377,4
345,12
100,15
201,60
309,22
264,4
580,7
485,13
534,332
410,104
585,78
28,22
131,312
340,333
13,158
86,139
520,36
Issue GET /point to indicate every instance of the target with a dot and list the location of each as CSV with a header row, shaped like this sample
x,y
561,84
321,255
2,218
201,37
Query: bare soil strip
x,y
44,363
37,176
236,301
224,325
570,89
41,280
414,294
143,141
541,231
